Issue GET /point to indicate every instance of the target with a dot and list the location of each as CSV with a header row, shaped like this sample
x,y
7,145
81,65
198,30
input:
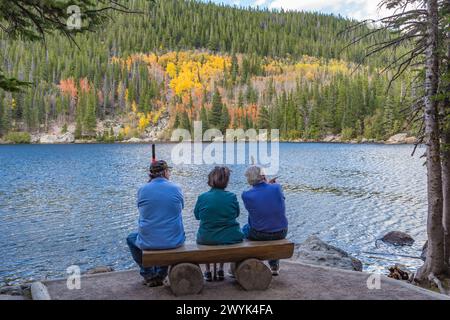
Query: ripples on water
x,y
75,204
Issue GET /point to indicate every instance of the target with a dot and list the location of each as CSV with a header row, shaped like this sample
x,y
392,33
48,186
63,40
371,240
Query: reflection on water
x,y
75,204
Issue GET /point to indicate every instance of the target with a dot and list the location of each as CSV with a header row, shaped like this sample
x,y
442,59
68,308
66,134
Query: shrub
x,y
18,137
347,134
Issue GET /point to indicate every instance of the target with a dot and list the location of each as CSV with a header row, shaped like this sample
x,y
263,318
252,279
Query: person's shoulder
x,y
173,185
144,187
205,196
230,194
276,186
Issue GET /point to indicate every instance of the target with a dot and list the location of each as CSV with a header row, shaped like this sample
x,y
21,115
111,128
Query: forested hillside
x,y
226,66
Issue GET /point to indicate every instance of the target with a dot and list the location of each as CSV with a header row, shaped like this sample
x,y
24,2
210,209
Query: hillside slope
x,y
226,66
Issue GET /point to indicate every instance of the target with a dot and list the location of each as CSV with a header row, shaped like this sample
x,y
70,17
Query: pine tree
x,y
225,119
204,118
215,119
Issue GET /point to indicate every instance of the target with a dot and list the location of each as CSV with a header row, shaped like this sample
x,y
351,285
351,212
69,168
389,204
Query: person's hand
x,y
274,180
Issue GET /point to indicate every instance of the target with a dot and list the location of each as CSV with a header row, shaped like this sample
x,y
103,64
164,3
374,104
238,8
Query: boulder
x,y
411,140
315,251
66,138
330,138
48,139
101,269
398,238
11,290
399,272
35,138
397,139
134,140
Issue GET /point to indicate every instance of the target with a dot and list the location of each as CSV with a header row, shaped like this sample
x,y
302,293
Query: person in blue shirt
x,y
160,203
265,203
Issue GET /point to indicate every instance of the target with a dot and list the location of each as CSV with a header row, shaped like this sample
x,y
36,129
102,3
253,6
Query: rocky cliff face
x,y
55,135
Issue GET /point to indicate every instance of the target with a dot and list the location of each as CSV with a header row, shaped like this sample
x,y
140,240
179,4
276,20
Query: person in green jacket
x,y
217,211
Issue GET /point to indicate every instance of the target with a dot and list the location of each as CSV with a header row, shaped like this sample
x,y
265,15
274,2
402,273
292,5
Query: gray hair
x,y
255,175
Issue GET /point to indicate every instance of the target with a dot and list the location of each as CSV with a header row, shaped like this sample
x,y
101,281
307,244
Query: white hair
x,y
255,175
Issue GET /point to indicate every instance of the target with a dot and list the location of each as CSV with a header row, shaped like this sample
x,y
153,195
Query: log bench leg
x,y
185,279
253,274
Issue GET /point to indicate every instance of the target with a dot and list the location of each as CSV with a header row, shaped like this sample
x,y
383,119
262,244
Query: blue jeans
x,y
149,273
252,234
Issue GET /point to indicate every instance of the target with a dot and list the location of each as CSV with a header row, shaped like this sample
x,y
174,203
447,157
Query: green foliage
x,y
18,137
215,119
309,109
348,134
34,20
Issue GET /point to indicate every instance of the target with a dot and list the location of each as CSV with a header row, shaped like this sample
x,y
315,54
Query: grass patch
x,y
18,137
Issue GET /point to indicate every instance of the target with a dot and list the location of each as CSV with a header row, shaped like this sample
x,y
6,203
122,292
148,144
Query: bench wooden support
x,y
185,279
253,274
185,275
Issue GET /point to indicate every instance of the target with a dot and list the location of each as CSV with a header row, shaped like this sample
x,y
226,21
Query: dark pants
x,y
149,273
254,235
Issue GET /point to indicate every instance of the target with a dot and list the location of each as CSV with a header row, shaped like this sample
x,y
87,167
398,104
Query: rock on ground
x,y
48,139
332,138
65,138
101,269
4,297
54,138
401,138
134,140
11,290
315,251
398,238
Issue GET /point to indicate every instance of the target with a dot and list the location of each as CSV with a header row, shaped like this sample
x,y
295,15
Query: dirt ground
x,y
296,282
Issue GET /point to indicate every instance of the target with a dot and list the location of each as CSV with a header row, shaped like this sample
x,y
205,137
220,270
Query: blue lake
x,y
62,205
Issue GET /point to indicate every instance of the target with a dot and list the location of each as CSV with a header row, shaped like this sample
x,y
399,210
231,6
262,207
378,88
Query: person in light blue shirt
x,y
160,203
265,203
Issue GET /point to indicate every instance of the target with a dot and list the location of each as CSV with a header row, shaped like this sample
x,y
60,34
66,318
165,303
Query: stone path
x,y
297,282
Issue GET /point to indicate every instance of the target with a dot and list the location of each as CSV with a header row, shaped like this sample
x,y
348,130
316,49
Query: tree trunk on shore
x,y
435,262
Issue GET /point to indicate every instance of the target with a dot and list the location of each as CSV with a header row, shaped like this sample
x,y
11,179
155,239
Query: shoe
x,y
275,270
208,276
231,274
220,275
153,283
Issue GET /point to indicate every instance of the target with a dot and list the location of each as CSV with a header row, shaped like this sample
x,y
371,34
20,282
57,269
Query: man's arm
x,y
182,197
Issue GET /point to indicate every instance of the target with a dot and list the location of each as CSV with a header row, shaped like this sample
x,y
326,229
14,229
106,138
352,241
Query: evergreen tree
x,y
225,119
215,119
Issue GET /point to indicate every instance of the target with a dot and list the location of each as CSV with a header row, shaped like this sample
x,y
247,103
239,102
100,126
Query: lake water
x,y
63,205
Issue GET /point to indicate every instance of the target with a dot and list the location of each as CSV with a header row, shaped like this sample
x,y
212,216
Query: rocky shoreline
x,y
69,138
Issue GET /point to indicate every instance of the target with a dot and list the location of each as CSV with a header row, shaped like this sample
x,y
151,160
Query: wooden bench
x,y
185,274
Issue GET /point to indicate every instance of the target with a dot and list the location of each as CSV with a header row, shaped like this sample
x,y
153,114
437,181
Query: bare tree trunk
x,y
445,114
435,262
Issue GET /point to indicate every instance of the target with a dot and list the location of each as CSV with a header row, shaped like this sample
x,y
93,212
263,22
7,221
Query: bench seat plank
x,y
194,253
